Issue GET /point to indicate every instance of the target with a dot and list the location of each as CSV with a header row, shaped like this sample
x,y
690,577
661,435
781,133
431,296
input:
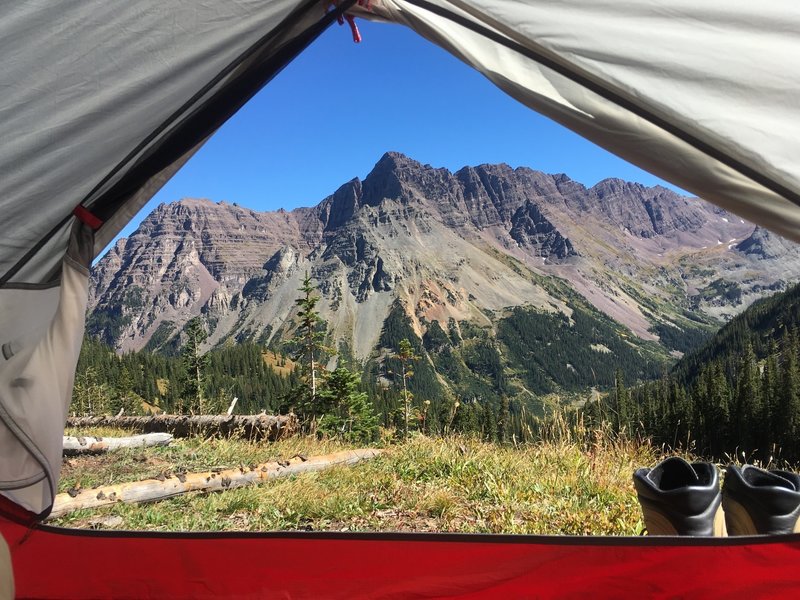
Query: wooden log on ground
x,y
256,427
167,486
74,446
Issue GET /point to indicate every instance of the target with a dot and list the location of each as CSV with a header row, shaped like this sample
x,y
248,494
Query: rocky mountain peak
x,y
763,245
398,177
647,212
534,232
342,206
446,245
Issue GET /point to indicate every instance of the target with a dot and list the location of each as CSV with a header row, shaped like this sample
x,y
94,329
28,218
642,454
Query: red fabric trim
x,y
13,511
351,20
58,564
87,217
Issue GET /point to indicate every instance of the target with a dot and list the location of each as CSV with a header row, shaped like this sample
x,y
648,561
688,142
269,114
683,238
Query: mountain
x,y
738,394
762,325
491,254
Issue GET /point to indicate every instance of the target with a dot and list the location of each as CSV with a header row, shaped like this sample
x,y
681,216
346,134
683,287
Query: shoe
x,y
759,502
679,498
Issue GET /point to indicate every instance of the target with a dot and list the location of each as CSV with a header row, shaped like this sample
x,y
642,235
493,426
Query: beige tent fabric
x,y
42,337
6,572
703,94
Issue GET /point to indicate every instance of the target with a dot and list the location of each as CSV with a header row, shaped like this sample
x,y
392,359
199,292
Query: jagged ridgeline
x,y
512,285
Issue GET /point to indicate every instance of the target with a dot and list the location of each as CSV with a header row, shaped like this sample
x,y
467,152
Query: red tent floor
x,y
53,562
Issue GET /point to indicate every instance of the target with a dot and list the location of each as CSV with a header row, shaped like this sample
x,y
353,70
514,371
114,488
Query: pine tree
x,y
124,399
309,347
488,423
719,399
789,404
406,356
770,393
622,402
748,410
89,394
684,411
504,422
195,362
345,410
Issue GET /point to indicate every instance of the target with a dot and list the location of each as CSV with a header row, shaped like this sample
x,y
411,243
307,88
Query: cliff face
x,y
466,245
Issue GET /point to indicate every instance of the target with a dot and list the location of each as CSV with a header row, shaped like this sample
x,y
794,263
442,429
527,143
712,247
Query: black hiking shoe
x,y
759,502
679,498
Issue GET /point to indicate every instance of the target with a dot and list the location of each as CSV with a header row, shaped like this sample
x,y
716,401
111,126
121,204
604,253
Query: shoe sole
x,y
658,524
720,527
740,522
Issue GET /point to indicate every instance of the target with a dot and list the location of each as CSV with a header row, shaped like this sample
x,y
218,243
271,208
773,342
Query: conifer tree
x,y
124,398
309,339
748,412
195,362
770,392
680,414
406,356
622,402
504,422
89,394
718,417
345,410
488,423
789,406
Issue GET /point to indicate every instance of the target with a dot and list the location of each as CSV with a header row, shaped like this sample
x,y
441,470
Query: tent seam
x,y
490,538
17,484
32,286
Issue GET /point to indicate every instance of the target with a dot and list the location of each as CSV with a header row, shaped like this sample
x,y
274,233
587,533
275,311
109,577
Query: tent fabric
x,y
42,333
703,94
101,105
91,90
61,563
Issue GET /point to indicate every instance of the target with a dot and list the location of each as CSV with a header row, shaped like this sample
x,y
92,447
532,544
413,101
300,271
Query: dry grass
x,y
579,483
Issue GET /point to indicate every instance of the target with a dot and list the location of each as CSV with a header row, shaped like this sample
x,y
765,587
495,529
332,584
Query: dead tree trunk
x,y
254,427
167,486
95,445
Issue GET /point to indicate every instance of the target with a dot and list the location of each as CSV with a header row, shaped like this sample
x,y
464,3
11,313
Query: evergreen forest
x,y
738,394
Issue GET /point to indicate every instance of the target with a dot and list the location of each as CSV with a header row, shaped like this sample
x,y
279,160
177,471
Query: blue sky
x,y
331,114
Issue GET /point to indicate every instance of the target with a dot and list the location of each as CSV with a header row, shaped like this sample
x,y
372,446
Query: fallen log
x,y
95,445
169,485
256,427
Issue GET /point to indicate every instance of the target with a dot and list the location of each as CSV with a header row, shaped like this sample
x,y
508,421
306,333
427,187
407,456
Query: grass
x,y
453,484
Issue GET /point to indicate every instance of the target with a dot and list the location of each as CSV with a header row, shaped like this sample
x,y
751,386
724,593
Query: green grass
x,y
451,485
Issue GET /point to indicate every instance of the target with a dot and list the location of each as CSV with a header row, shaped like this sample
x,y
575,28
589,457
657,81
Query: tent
x,y
103,102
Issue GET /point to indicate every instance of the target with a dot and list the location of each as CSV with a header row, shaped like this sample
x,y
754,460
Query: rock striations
x,y
467,245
